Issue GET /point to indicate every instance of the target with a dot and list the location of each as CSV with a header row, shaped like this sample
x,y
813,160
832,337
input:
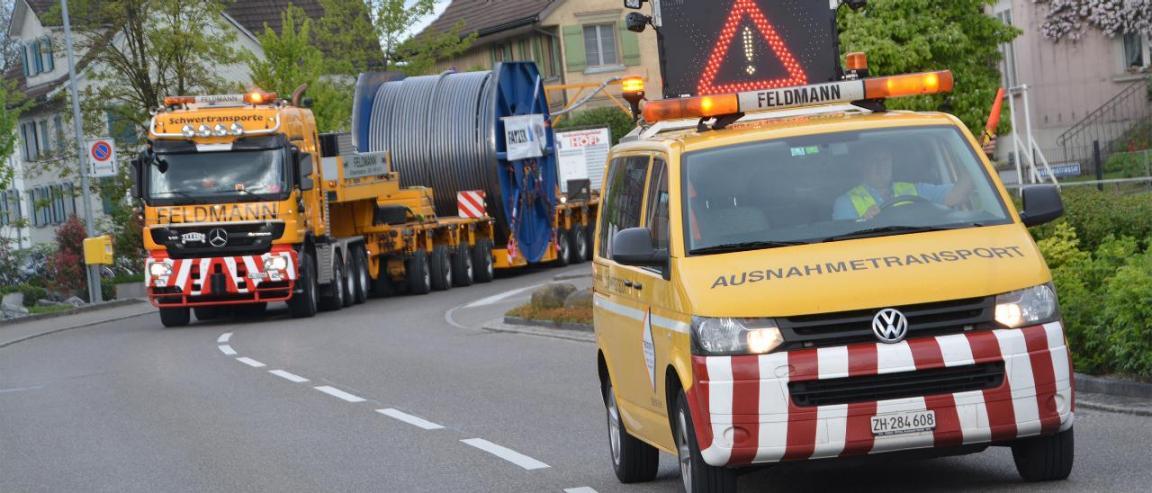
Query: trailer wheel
x,y
563,248
578,244
383,286
416,271
349,278
175,317
360,275
304,304
462,273
334,300
206,313
441,268
589,240
482,268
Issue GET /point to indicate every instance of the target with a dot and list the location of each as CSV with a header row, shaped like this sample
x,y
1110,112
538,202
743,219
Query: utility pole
x,y
94,294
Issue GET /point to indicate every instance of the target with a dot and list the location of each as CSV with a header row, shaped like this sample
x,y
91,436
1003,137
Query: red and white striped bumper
x,y
750,418
220,280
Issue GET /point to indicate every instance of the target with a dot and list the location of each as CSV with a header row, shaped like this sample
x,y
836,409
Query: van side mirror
x,y
137,179
1042,204
633,246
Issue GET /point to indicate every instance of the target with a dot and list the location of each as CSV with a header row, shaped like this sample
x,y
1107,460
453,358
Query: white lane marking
x,y
291,377
227,350
223,339
497,297
506,454
582,489
339,394
250,362
410,419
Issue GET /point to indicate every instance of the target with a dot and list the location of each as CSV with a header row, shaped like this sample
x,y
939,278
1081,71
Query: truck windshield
x,y
835,187
218,176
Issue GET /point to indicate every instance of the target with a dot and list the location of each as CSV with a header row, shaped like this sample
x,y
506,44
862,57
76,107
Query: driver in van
x,y
878,191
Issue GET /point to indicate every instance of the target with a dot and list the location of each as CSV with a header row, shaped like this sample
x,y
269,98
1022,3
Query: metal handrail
x,y
1108,106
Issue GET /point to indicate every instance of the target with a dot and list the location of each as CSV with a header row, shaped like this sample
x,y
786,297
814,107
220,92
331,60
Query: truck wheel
x,y
175,317
383,286
577,244
416,270
360,275
334,300
563,248
441,268
482,268
304,304
251,310
349,278
633,460
589,240
695,474
462,274
206,313
1045,458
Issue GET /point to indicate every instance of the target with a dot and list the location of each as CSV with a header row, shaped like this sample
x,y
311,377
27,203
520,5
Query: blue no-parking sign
x,y
101,158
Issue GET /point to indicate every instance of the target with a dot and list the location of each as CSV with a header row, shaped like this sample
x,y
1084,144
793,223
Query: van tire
x,y
1045,458
335,298
695,474
578,244
462,272
482,268
359,272
306,303
416,273
633,460
440,266
563,248
175,317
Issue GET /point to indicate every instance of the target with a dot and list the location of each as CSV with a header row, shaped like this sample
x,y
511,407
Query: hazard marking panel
x,y
731,46
470,204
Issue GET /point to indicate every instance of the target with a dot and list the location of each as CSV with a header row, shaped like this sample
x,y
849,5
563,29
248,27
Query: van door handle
x,y
627,284
638,285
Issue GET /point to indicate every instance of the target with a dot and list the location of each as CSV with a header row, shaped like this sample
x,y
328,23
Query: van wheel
x,y
440,265
175,317
462,273
563,248
482,268
305,303
1045,458
416,272
360,275
334,300
695,474
633,460
383,286
577,244
206,313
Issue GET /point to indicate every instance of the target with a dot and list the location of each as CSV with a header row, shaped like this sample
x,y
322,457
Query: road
x,y
400,394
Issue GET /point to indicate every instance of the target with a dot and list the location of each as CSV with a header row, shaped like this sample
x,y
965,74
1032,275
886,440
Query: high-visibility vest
x,y
863,201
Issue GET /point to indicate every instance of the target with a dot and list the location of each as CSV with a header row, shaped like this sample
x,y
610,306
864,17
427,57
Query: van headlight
x,y
275,263
735,335
161,268
1030,306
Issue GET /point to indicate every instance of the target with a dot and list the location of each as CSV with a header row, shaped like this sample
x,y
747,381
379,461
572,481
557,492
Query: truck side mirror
x,y
633,246
137,179
1042,204
304,170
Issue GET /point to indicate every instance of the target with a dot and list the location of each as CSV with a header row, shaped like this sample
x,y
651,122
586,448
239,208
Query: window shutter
x,y
574,58
37,58
629,45
3,208
24,58
16,212
49,56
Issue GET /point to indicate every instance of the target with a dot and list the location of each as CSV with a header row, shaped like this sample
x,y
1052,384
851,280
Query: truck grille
x,y
897,385
191,241
926,319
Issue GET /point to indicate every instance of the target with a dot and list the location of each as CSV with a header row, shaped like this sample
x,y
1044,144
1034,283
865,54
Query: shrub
x,y
1096,215
618,122
66,269
1127,317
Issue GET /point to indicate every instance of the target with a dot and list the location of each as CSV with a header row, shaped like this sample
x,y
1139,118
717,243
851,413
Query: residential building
x,y
573,42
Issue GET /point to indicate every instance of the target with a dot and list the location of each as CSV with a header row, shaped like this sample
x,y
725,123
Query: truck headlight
x,y
275,263
1029,306
160,269
736,335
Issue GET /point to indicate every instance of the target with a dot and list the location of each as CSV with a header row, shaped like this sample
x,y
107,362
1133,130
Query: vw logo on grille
x,y
218,237
890,326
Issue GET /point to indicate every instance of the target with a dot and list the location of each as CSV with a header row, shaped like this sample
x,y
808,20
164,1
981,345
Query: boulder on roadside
x,y
552,295
13,301
579,299
75,301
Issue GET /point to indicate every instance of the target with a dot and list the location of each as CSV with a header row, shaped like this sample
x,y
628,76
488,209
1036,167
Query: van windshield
x,y
833,187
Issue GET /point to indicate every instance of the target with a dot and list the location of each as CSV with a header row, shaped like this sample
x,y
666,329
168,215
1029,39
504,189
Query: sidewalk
x,y
18,330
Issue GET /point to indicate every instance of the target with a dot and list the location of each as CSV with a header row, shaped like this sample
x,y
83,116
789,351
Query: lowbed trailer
x,y
237,214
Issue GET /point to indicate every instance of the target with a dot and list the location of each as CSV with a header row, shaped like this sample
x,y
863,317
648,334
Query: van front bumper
x,y
212,281
750,416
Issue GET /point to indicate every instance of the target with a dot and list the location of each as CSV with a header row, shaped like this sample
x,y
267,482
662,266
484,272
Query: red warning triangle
x,y
740,10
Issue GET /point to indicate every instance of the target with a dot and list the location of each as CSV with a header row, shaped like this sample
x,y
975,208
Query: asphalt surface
x,y
402,394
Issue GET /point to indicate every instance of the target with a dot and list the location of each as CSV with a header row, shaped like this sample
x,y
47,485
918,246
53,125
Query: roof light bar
x,y
799,96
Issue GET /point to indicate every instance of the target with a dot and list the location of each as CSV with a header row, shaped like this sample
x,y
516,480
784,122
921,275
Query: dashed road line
x,y
250,362
339,394
223,339
582,489
227,350
291,377
410,419
507,454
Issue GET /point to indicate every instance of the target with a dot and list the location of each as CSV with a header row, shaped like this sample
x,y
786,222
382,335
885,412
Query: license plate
x,y
900,423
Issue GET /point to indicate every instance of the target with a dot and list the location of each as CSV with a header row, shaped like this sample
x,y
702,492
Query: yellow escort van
x,y
781,275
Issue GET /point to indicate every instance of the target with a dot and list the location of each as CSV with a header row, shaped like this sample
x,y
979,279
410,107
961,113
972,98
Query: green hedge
x,y
617,121
1095,215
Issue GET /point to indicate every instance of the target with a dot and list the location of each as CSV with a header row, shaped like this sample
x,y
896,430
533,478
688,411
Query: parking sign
x,y
101,158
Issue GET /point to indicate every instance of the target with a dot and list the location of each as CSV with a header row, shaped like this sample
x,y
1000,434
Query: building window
x,y
29,133
1008,52
5,218
1136,51
45,140
47,58
600,45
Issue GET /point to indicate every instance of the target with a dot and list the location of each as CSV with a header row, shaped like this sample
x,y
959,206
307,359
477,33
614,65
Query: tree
x,y
347,37
418,55
394,18
902,36
1065,19
11,104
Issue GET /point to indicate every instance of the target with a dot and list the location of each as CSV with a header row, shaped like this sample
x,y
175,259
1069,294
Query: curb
x,y
569,277
1113,386
509,320
1088,404
81,309
498,325
111,304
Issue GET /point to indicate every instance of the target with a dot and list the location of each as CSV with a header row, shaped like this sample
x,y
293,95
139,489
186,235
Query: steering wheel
x,y
904,199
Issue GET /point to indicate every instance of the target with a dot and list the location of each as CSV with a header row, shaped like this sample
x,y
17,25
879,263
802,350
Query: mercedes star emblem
x,y
218,237
890,326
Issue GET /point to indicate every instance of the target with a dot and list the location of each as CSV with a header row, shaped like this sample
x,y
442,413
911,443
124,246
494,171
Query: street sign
x,y
732,46
101,158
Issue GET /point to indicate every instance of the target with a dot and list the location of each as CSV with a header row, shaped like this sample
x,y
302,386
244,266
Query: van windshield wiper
x,y
892,230
744,246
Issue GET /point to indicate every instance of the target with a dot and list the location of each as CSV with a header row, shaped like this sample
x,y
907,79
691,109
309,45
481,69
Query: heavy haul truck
x,y
246,204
